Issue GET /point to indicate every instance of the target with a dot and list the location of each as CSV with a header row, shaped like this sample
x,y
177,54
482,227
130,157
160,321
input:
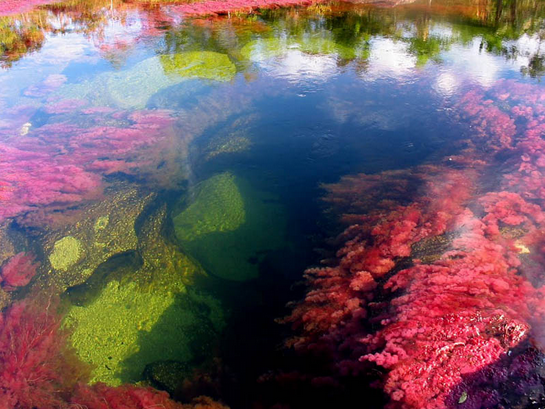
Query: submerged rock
x,y
133,87
163,264
166,375
234,138
229,226
66,253
98,232
128,327
133,304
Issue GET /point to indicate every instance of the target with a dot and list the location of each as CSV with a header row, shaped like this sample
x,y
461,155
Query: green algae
x,y
199,64
229,227
66,252
126,328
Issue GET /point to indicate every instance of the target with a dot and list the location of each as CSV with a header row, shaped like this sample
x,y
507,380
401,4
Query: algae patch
x,y
199,64
66,252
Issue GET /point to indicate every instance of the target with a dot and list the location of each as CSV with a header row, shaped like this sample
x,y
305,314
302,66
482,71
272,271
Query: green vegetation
x,y
199,64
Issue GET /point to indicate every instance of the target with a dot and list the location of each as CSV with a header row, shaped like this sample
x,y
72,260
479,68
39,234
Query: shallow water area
x,y
167,175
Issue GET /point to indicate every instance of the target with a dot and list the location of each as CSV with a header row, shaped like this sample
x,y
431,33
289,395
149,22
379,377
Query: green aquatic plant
x,y
229,226
199,64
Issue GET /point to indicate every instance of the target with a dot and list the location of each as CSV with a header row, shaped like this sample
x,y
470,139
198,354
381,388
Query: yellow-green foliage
x,y
199,64
229,226
125,328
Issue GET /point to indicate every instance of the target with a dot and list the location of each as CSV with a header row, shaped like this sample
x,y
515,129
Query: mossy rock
x,y
229,226
126,328
199,64
97,232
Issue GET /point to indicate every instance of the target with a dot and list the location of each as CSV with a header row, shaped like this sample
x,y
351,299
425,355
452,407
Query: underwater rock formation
x,y
199,64
118,332
163,264
228,226
116,328
264,48
132,88
96,233
449,322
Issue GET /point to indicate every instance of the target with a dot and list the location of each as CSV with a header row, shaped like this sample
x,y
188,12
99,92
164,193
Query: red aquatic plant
x,y
60,163
439,277
18,271
8,7
36,370
101,396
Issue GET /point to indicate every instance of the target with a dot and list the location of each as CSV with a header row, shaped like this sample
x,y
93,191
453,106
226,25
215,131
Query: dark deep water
x,y
166,172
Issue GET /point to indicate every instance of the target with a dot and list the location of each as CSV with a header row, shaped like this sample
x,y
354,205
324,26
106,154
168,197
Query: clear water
x,y
166,172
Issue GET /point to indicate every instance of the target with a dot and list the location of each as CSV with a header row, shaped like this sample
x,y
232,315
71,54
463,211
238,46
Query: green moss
x,y
126,328
230,227
66,252
199,64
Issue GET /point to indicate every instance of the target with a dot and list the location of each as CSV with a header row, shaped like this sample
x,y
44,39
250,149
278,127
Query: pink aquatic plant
x,y
439,281
34,362
50,84
209,7
8,7
60,164
101,396
18,271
